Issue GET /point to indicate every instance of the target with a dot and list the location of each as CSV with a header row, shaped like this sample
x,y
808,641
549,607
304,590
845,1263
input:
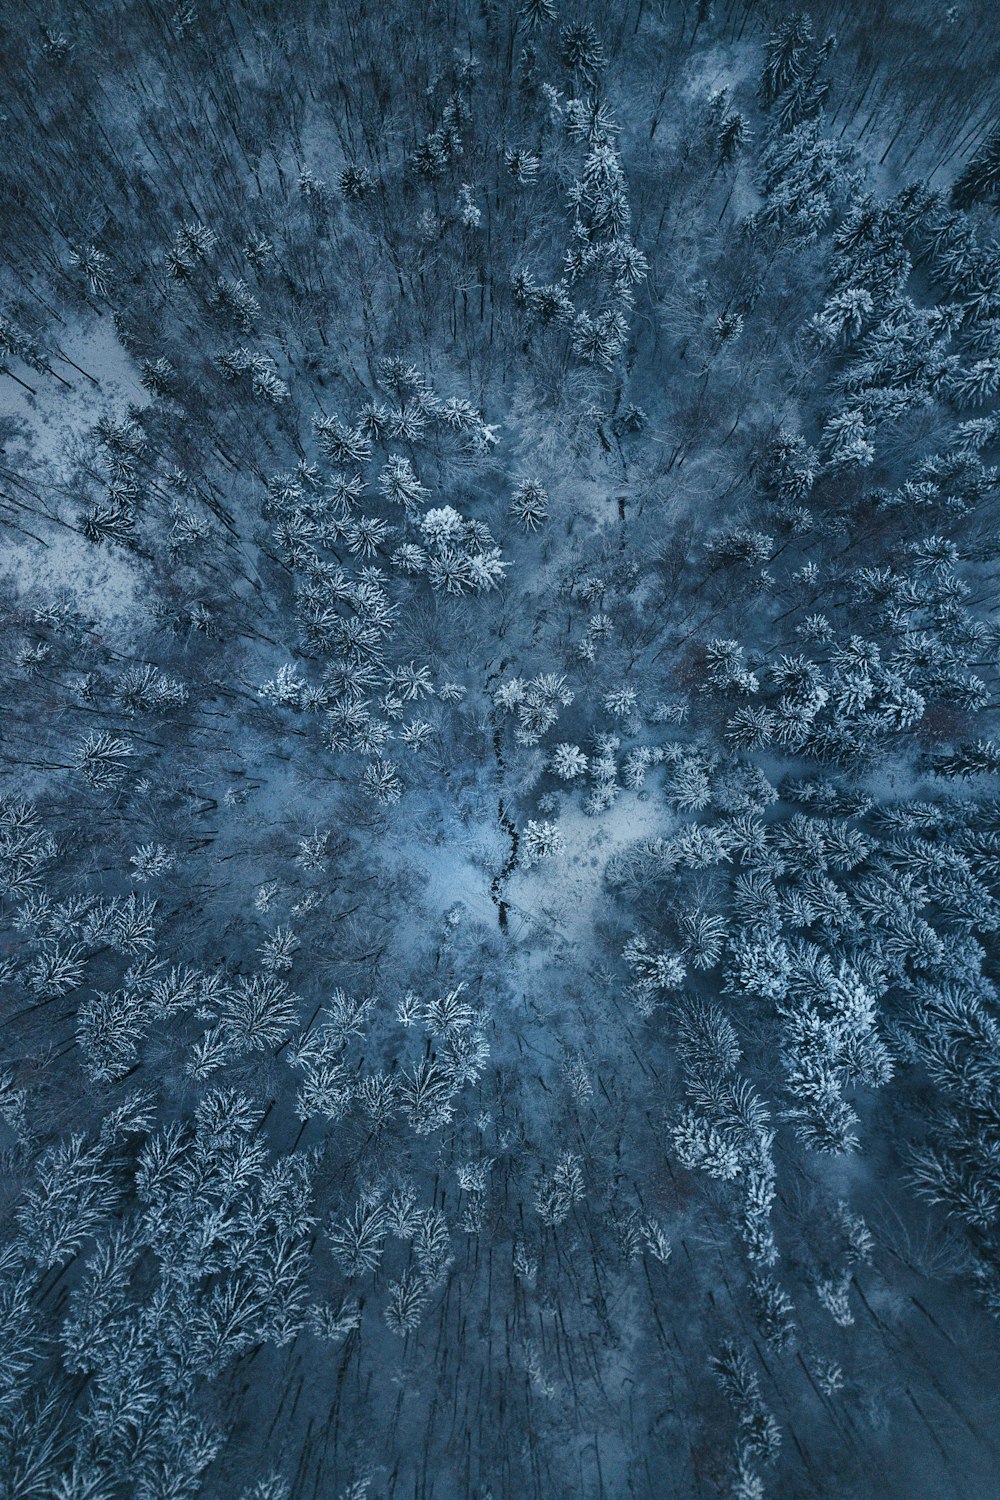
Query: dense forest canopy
x,y
500,754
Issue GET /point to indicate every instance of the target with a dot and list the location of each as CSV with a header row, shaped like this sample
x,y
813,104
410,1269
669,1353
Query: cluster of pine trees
x,y
499,807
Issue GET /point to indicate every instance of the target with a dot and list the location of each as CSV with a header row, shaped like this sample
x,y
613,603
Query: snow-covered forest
x,y
500,750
